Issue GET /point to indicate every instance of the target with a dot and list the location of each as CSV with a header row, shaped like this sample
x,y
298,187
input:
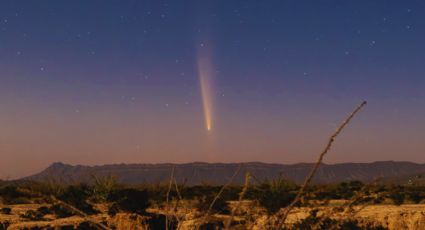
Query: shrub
x,y
4,225
103,187
13,195
397,197
204,195
346,190
129,200
274,194
158,221
44,210
220,205
416,196
343,190
33,215
6,211
60,211
197,191
77,195
158,194
313,221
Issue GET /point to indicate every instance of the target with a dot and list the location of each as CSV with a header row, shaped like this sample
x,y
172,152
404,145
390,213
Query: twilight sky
x,y
98,82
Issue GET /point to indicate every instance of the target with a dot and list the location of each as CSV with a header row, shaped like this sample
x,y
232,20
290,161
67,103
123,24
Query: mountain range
x,y
220,173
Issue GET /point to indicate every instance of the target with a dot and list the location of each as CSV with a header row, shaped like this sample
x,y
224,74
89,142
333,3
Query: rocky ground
x,y
28,216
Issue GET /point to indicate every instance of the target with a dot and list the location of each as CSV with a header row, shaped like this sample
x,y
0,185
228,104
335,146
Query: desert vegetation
x,y
250,206
275,203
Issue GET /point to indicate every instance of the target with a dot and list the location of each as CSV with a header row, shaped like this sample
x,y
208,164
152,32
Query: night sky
x,y
101,82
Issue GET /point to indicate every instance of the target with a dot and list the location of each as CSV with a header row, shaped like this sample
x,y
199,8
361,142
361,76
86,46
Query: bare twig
x,y
347,208
97,224
168,194
179,198
241,196
207,214
177,190
282,215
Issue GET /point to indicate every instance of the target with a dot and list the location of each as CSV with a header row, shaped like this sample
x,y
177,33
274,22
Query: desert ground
x,y
186,214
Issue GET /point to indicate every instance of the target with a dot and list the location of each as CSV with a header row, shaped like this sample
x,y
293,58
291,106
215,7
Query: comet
x,y
205,72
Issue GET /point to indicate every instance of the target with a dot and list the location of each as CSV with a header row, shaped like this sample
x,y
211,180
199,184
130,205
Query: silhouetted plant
x,y
60,211
77,195
397,195
102,187
44,210
205,201
6,211
14,195
4,225
316,222
274,194
415,196
55,188
129,200
346,190
312,221
157,193
158,221
86,225
33,215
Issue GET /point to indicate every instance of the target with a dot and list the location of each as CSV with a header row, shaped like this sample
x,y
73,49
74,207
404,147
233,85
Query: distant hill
x,y
219,173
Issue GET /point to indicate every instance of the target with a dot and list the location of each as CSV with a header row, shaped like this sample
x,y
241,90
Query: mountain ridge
x,y
219,173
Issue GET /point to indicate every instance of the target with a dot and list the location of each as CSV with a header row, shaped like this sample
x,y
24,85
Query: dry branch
x,y
71,208
175,208
241,196
346,208
207,213
168,194
282,215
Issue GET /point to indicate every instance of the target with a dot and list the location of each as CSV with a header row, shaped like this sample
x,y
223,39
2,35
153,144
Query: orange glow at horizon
x,y
205,78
